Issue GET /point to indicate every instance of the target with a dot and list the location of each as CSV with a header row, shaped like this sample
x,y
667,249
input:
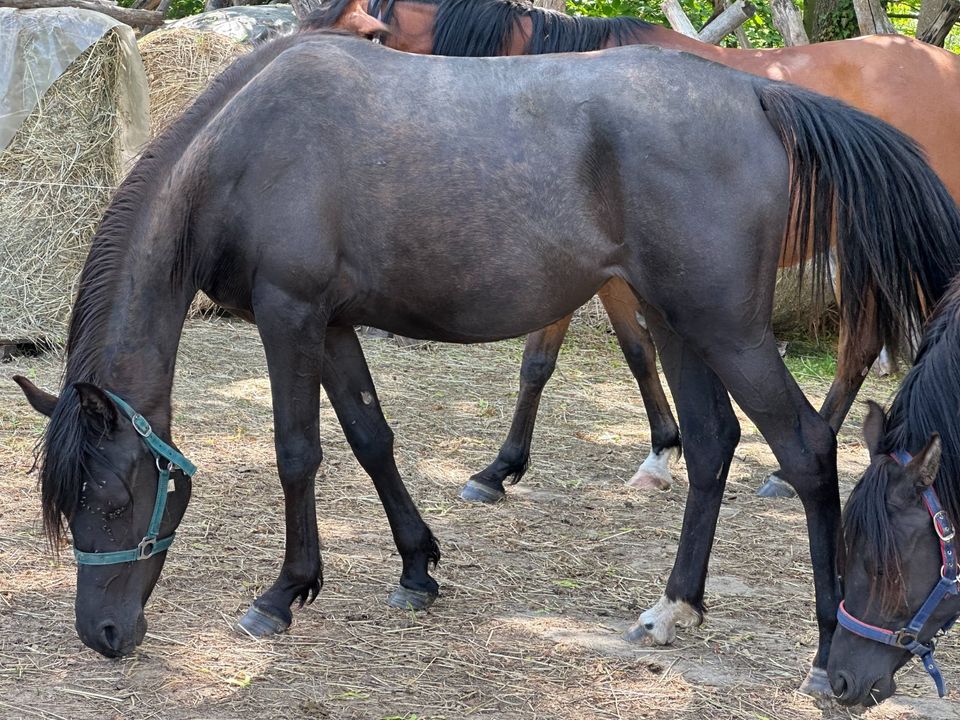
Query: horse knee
x,y
297,463
537,368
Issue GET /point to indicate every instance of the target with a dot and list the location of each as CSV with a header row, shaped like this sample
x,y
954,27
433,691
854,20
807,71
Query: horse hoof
x,y
639,635
406,599
649,481
816,684
262,624
475,491
775,487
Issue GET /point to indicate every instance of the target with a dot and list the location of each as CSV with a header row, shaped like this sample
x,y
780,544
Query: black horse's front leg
x,y
293,340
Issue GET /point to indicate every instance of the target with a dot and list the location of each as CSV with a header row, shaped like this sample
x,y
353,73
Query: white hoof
x,y
658,625
654,472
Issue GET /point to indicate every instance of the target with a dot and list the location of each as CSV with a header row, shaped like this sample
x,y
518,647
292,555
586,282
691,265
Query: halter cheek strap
x,y
168,460
908,637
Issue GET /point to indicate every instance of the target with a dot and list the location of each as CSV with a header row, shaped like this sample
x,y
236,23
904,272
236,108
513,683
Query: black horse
x,y
899,524
324,182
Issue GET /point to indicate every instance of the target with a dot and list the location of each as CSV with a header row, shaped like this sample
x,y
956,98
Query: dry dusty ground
x,y
536,591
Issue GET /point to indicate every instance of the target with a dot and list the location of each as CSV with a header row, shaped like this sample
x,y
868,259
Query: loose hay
x,y
56,178
180,63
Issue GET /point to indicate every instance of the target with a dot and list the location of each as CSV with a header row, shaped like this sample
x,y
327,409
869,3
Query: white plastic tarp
x,y
245,23
37,46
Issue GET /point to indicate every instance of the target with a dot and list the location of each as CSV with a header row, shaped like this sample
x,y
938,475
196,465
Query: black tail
x,y
897,228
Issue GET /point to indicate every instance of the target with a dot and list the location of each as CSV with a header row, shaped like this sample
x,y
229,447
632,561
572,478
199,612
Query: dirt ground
x,y
535,591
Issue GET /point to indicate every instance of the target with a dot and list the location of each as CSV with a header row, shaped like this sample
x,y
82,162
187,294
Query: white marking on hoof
x,y
658,625
654,472
883,365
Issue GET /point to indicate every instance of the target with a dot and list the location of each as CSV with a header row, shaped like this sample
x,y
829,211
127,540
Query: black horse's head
x,y
99,477
893,561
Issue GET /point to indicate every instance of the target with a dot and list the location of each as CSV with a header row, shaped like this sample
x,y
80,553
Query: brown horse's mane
x,y
477,28
62,451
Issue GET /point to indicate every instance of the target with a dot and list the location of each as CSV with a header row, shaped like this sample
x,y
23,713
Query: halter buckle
x,y
905,637
145,548
141,425
943,526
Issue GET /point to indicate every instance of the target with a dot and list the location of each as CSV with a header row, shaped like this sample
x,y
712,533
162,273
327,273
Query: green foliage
x,y
759,28
178,8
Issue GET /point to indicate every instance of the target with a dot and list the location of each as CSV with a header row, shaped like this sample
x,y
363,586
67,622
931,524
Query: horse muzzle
x,y
112,636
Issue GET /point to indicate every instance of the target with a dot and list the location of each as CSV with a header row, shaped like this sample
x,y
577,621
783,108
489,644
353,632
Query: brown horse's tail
x,y
856,178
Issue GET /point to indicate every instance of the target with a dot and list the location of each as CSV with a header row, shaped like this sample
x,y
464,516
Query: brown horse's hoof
x,y
475,491
261,624
406,599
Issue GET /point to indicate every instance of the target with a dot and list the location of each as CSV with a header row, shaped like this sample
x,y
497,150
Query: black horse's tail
x,y
855,178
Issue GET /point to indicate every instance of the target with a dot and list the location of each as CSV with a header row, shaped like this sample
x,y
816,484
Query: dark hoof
x,y
475,491
816,684
775,487
406,599
262,624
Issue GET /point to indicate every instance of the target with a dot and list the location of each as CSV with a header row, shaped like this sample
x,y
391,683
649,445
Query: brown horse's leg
x,y
539,361
349,386
293,341
624,311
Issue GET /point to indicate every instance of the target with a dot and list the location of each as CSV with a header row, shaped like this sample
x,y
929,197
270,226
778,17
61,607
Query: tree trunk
x,y
937,18
829,20
872,18
559,5
134,18
726,22
789,22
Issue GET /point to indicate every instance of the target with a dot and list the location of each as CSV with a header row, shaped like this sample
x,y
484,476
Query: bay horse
x,y
898,79
324,182
900,564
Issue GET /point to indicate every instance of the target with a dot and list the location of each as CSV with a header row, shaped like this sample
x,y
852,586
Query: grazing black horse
x,y
324,182
901,560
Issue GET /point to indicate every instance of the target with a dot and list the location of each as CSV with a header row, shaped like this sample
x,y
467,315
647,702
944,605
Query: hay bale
x,y
56,178
180,63
797,311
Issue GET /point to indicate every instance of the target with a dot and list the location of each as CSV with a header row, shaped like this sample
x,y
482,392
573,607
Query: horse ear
x,y
95,403
40,400
873,427
926,463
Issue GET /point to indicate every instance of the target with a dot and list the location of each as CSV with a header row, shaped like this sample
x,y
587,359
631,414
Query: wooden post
x,y
789,22
721,26
678,18
937,30
872,18
726,22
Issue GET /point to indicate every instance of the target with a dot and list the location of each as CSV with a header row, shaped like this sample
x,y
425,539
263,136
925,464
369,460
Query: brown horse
x,y
896,78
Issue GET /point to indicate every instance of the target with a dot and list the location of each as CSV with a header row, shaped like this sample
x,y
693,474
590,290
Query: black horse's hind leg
x,y
711,433
349,386
539,362
293,340
857,350
805,446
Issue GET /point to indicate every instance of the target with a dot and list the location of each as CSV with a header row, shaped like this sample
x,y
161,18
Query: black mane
x,y
928,401
66,443
482,28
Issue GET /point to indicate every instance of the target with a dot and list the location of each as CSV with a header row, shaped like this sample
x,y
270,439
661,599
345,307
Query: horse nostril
x,y
843,685
110,636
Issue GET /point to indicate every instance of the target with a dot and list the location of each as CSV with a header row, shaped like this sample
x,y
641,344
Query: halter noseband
x,y
173,460
907,638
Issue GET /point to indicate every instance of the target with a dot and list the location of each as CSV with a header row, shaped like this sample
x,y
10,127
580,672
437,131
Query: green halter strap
x,y
168,460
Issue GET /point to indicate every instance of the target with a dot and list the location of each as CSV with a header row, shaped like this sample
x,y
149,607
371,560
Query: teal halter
x,y
161,451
